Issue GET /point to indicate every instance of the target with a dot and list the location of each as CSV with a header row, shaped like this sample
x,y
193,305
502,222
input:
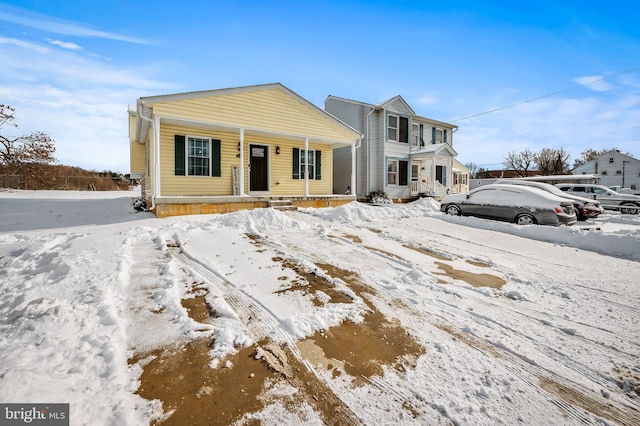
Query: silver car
x,y
610,199
519,204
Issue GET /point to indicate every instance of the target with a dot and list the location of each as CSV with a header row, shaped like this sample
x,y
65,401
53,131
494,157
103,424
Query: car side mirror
x,y
468,195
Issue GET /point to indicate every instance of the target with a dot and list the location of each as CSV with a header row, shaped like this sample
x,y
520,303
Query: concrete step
x,y
282,205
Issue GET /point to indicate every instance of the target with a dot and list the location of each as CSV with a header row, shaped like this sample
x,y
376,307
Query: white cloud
x,y
426,100
23,44
80,101
594,82
57,26
64,45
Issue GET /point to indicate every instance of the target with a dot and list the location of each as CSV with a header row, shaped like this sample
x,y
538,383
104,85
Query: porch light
x,y
277,149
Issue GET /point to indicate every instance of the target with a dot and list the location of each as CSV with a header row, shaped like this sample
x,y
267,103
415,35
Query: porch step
x,y
282,205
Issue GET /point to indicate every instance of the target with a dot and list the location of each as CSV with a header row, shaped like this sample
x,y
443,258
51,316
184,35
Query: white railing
x,y
418,187
441,190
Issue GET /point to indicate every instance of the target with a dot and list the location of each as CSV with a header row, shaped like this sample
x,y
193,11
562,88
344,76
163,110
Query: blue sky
x,y
72,68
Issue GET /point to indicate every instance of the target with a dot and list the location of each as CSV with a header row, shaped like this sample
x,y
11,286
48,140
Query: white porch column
x,y
241,174
156,154
306,167
353,171
450,173
433,174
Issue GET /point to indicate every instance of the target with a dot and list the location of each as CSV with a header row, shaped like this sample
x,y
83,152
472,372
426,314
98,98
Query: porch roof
x,y
435,149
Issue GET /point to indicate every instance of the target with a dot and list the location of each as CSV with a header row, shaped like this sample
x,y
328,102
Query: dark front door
x,y
440,175
259,164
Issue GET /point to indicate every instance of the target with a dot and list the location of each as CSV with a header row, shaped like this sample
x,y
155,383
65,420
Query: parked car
x,y
586,208
619,189
519,204
609,198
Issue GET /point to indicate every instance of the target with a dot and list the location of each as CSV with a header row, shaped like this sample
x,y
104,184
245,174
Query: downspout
x,y
155,185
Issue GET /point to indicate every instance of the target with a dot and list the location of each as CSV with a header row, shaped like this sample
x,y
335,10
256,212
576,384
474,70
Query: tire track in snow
x,y
524,364
261,323
547,350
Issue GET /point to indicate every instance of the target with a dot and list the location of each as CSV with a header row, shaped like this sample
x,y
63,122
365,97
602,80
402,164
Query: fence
x,y
63,182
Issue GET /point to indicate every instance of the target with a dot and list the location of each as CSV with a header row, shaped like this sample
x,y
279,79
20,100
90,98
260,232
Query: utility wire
x,y
545,96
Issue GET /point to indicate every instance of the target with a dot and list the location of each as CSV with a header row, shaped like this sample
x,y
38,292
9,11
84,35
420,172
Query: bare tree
x,y
24,155
520,162
552,161
473,168
590,155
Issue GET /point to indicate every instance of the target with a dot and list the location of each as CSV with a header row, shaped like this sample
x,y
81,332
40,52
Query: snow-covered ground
x,y
499,324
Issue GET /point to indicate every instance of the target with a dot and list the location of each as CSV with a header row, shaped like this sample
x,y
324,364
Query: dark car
x,y
519,204
585,208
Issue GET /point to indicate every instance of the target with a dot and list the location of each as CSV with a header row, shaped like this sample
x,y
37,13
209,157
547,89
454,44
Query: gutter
x,y
155,171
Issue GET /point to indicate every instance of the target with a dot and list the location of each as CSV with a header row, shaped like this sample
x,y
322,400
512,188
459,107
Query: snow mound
x,y
361,212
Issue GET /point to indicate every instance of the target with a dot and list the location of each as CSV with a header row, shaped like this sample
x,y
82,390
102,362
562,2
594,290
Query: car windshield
x,y
552,189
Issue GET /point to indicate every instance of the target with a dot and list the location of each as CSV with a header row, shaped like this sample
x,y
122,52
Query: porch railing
x,y
418,187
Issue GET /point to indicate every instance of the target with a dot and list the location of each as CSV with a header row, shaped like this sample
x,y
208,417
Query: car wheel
x,y
453,210
633,210
525,219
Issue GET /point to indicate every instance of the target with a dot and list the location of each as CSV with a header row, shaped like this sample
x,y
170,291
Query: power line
x,y
546,96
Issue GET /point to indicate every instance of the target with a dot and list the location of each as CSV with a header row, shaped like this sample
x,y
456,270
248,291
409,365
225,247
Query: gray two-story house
x,y
401,153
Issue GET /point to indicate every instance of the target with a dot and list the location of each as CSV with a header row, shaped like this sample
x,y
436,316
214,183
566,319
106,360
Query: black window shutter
x,y
433,135
403,173
404,130
179,160
445,136
216,160
318,164
296,163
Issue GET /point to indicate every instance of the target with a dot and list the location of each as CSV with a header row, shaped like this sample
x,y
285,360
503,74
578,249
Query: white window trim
x,y
302,161
389,161
187,156
396,128
439,132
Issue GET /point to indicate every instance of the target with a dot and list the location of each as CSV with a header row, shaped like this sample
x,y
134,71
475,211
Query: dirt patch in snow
x,y
194,393
476,280
312,284
427,252
238,386
196,306
362,349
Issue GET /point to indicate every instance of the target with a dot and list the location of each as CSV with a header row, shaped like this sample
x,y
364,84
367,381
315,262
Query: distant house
x,y
229,149
615,169
402,154
461,175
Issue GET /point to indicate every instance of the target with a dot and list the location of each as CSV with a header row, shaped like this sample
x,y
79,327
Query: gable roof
x,y
389,102
396,99
266,108
435,148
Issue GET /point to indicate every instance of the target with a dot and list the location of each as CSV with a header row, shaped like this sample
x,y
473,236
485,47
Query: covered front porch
x,y
432,170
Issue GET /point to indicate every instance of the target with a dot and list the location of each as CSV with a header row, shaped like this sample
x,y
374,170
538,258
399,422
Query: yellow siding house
x,y
222,150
